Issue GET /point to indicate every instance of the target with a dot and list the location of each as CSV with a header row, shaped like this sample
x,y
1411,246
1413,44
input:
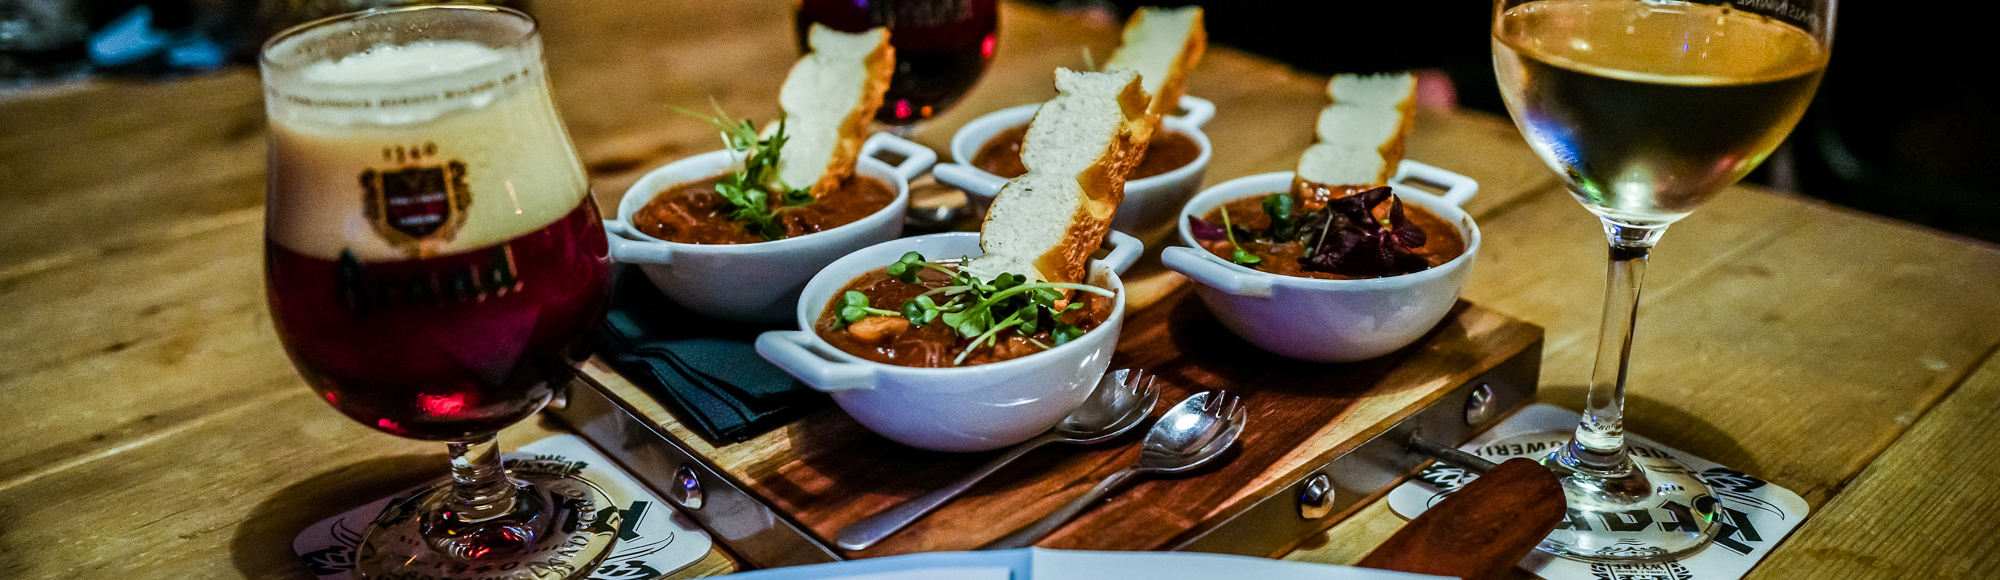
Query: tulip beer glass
x,y
434,262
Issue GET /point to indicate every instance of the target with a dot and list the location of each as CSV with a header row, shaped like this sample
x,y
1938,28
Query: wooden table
x,y
155,429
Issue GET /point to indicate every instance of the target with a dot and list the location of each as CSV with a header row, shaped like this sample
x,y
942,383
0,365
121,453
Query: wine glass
x,y
942,48
434,262
1647,108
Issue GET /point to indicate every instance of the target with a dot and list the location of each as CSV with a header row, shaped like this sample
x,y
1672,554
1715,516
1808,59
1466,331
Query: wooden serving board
x,y
825,471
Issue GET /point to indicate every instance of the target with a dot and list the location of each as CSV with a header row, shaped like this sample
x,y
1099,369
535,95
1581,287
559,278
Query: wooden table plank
x,y
134,341
1730,364
105,162
1789,338
1924,509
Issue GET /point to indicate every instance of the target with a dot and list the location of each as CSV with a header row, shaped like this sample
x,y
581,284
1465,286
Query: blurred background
x,y
1902,126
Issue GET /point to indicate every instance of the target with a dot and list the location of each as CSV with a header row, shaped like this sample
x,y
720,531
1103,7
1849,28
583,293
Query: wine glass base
x,y
561,527
1656,510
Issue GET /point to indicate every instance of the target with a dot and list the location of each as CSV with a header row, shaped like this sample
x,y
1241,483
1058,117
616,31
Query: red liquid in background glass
x,y
942,47
450,347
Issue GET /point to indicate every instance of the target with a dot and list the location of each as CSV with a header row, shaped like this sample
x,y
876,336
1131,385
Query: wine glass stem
x,y
1599,446
480,489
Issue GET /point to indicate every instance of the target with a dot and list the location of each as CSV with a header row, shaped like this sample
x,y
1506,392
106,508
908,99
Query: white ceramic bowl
x,y
1149,204
756,282
1329,320
971,408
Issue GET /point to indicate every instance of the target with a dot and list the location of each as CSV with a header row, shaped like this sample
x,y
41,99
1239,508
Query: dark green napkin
x,y
705,370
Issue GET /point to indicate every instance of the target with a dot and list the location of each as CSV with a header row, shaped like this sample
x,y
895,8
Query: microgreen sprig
x,y
981,309
854,307
907,267
755,193
1284,225
1239,256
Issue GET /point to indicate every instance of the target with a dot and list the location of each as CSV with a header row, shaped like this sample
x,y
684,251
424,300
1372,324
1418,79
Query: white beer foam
x,y
485,108
389,63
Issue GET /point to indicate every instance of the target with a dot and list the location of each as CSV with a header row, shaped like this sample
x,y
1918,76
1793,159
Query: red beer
x,y
433,265
435,260
450,347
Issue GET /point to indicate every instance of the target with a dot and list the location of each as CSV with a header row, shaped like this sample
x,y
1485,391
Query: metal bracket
x,y
765,538
1316,500
750,529
1279,521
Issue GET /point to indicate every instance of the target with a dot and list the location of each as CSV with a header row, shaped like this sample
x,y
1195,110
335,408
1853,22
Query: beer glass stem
x,y
480,489
1599,444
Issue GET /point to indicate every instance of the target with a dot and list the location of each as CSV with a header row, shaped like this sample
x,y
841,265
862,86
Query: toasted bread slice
x,y
1361,137
1163,44
829,98
1079,148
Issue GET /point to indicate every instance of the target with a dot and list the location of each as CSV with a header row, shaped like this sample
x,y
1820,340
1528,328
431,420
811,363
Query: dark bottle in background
x,y
942,47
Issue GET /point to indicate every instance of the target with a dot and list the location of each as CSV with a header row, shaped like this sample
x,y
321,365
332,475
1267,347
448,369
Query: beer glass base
x,y
563,528
1655,510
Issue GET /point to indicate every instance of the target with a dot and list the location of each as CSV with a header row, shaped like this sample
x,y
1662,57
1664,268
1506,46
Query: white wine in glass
x,y
1647,108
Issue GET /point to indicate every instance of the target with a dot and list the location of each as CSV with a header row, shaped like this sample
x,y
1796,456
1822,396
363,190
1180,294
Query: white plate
x,y
1044,564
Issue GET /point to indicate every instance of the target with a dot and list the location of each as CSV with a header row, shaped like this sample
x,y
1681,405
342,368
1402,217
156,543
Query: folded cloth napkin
x,y
704,369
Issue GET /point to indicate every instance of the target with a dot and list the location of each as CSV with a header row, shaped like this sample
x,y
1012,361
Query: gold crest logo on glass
x,y
434,263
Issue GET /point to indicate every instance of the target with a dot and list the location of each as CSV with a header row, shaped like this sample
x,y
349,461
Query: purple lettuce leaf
x,y
1205,231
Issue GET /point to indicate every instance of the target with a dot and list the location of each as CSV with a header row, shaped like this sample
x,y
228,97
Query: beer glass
x,y
942,47
434,262
1647,108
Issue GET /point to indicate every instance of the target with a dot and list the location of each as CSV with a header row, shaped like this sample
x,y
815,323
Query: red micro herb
x,y
1347,239
1205,231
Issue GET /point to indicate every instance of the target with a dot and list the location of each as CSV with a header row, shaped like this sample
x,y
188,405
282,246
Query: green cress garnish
x,y
854,307
977,309
1279,207
1239,256
755,193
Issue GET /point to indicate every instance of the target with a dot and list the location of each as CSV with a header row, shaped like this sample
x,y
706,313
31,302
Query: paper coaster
x,y
1756,514
654,540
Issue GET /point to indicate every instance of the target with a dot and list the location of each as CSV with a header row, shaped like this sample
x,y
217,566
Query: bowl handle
x,y
1458,188
1125,250
973,180
792,351
916,157
624,248
1204,268
1196,110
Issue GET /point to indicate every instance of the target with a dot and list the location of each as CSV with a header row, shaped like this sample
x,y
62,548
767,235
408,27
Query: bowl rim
x,y
1469,230
1005,119
810,327
876,168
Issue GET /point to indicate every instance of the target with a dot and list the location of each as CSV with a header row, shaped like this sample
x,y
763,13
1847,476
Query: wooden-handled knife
x,y
1480,531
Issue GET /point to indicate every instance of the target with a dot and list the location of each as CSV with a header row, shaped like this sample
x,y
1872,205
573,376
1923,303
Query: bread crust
x,y
880,64
1100,187
1169,98
1313,196
1104,184
1142,37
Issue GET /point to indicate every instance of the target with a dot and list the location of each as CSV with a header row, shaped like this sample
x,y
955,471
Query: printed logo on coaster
x,y
653,539
1755,514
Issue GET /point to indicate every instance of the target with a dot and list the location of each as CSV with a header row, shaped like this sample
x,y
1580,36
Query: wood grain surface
x,y
155,429
826,471
1479,531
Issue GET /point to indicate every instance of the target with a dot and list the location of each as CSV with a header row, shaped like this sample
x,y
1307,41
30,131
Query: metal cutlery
x,y
1193,432
1122,400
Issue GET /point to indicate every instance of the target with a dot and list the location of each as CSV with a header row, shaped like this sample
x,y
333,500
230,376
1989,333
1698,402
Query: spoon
x,y
1122,400
935,218
1190,434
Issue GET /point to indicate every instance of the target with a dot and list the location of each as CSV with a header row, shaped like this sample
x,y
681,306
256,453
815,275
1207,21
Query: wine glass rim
x,y
264,54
